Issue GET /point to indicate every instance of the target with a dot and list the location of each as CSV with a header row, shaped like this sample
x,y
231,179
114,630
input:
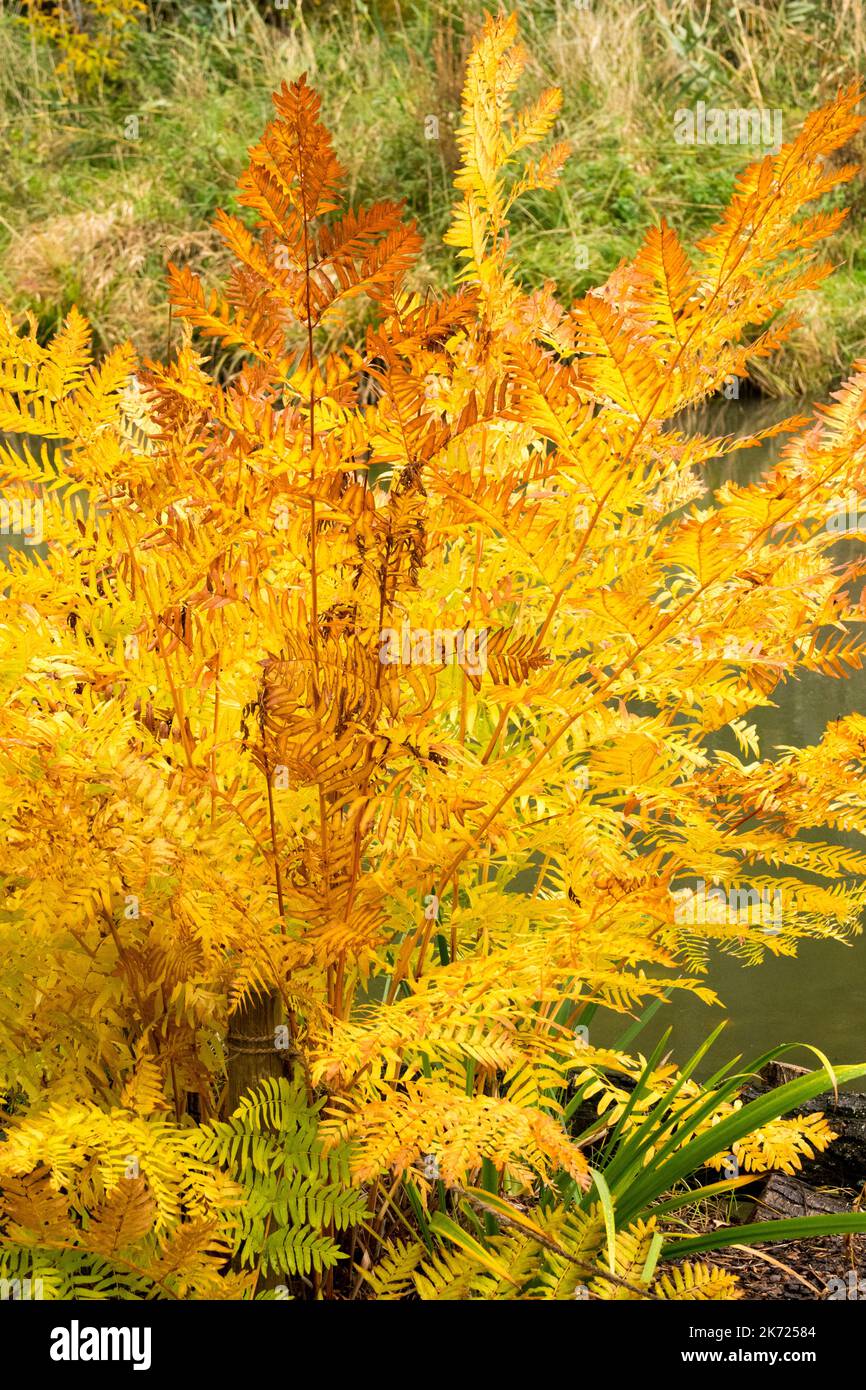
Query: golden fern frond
x,y
694,1282
391,1278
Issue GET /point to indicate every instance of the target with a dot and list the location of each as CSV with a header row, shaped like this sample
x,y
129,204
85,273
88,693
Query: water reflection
x,y
819,997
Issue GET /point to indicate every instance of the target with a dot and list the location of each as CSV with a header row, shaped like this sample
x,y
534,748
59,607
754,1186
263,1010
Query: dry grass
x,y
86,214
101,256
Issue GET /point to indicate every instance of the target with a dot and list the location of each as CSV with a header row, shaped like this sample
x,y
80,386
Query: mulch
x,y
819,1263
799,1270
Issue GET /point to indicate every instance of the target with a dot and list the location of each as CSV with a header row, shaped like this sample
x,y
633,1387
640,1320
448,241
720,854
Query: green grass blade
x,y
663,1175
609,1219
797,1228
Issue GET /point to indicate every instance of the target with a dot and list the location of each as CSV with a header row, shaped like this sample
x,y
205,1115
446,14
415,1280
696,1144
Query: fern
x,y
224,807
295,1196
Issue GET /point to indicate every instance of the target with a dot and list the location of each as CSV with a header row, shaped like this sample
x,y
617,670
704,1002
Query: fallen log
x,y
783,1197
843,1164
818,1267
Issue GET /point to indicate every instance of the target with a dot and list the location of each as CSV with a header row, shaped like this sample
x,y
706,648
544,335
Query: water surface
x,y
820,996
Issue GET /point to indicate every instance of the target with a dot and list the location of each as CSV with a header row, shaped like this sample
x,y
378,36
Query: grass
x,y
105,183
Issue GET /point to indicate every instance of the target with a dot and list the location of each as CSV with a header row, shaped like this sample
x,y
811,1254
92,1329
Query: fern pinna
x,y
319,664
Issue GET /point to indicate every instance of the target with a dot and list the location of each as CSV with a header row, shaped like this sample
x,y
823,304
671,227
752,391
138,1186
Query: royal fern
x,y
376,685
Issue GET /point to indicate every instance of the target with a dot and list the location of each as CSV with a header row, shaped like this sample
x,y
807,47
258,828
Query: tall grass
x,y
87,213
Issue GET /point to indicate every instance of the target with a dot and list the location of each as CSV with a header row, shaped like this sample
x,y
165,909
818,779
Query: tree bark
x,y
783,1197
253,1055
844,1163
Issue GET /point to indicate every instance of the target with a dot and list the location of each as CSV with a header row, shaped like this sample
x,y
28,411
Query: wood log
x,y
783,1197
823,1267
843,1164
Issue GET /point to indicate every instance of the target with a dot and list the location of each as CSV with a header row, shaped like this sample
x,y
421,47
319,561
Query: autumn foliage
x,y
220,801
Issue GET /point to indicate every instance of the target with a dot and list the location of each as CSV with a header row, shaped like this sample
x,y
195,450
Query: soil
x,y
814,1269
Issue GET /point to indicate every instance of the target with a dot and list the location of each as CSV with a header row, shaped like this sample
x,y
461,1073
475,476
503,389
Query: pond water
x,y
820,997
